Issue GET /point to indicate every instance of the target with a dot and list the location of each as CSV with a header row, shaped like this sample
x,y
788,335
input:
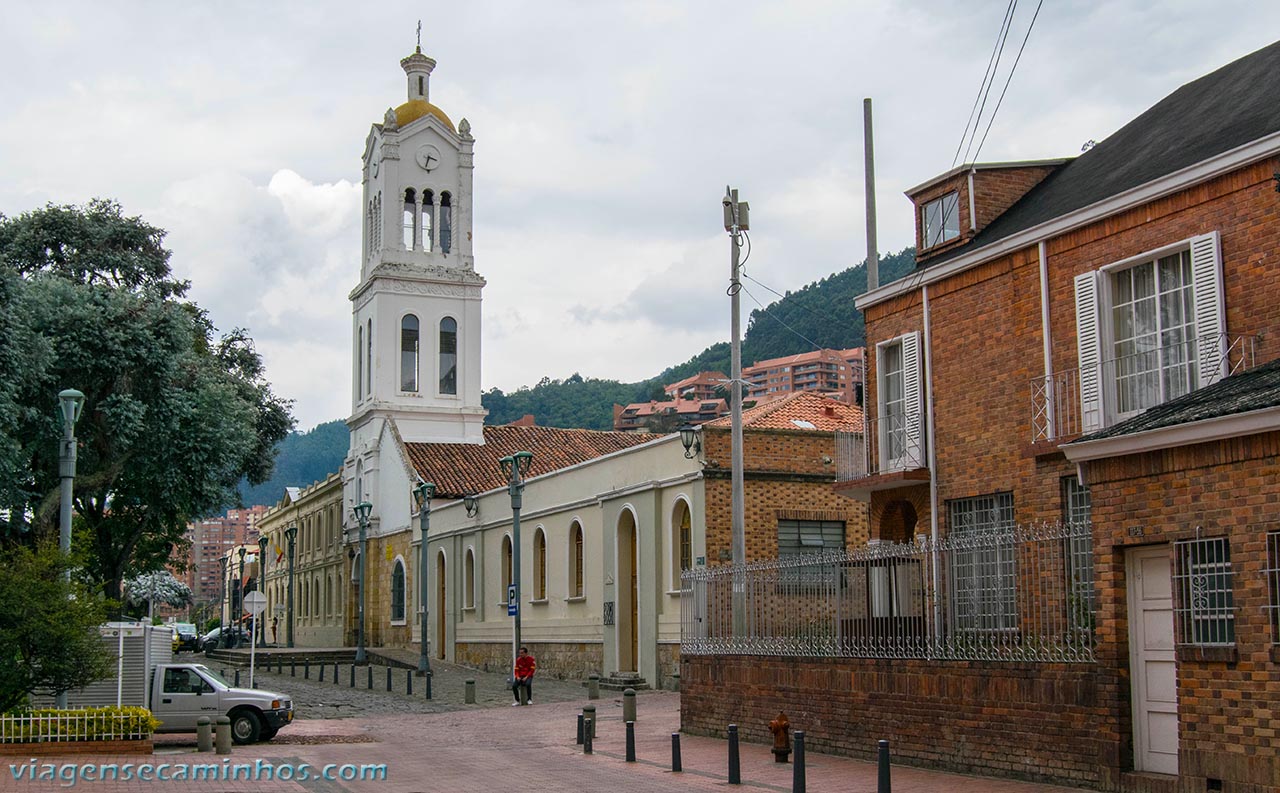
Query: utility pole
x,y
736,221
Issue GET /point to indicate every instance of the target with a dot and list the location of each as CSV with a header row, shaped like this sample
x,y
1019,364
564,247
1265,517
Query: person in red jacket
x,y
523,677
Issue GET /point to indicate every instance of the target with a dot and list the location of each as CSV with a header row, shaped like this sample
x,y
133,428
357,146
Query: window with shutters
x,y
1149,329
899,429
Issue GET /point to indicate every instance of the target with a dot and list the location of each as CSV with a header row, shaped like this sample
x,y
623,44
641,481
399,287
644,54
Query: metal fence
x,y
1014,594
889,443
99,724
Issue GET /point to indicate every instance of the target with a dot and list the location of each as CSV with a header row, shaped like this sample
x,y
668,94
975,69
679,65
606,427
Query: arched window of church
x,y
377,222
446,222
448,356
397,591
409,353
359,362
410,217
428,213
368,354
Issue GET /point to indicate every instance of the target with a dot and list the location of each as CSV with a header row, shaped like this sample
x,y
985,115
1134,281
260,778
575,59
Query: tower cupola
x,y
417,67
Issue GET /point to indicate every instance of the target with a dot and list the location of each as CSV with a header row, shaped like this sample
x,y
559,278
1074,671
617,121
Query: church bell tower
x,y
416,312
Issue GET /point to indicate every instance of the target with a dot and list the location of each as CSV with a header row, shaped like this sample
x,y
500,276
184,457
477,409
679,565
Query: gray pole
x,y
67,471
424,659
733,221
290,534
364,566
516,488
869,171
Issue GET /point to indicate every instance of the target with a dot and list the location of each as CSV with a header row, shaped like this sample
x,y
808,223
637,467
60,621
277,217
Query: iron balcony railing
x,y
886,444
1013,594
1130,384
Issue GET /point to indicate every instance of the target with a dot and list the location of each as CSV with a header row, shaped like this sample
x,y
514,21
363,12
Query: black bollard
x,y
587,728
797,771
237,678
321,673
883,784
675,752
388,678
353,676
293,668
579,741
335,673
429,674
631,742
306,669
735,768
369,675
408,682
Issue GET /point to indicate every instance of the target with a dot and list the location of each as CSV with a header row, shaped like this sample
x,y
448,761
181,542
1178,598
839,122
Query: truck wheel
x,y
245,727
268,733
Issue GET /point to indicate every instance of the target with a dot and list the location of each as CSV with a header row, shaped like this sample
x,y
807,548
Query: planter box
x,y
64,748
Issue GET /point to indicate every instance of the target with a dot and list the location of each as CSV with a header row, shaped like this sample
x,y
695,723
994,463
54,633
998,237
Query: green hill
x,y
303,458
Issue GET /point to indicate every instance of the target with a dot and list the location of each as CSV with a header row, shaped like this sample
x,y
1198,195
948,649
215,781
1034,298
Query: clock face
x,y
428,157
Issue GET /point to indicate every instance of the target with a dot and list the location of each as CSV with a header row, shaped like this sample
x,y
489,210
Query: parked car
x,y
230,636
188,638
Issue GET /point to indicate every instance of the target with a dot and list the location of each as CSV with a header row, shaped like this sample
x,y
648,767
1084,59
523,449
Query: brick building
x,y
210,540
666,416
836,372
1086,341
702,386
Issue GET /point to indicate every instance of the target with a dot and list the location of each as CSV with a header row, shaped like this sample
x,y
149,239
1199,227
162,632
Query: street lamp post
x,y
361,511
290,535
424,493
222,598
240,595
262,584
516,468
71,401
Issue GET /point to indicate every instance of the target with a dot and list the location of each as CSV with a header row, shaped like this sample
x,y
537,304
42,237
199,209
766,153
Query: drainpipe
x,y
1045,333
933,459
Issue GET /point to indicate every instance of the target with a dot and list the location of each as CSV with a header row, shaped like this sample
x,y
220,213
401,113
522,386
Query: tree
x,y
48,626
174,415
156,587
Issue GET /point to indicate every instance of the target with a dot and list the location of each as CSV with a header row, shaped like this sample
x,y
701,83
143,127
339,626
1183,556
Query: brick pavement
x,y
528,749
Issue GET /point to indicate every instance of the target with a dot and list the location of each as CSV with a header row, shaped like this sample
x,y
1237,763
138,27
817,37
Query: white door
x,y
1151,661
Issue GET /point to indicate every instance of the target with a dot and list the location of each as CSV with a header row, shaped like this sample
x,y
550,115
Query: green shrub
x,y
76,724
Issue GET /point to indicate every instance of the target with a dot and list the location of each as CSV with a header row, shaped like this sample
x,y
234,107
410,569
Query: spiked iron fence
x,y
1016,594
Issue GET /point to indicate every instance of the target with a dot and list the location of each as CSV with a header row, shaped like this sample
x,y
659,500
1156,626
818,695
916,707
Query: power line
x,y
1009,78
1002,38
811,342
1008,16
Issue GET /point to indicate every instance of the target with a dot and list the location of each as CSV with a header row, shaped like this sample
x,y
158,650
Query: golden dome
x,y
415,109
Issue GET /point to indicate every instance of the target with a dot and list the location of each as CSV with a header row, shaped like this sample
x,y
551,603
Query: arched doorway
x,y
628,609
440,621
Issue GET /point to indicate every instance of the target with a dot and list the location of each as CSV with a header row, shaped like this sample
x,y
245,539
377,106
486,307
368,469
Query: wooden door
x,y
440,620
635,604
1152,663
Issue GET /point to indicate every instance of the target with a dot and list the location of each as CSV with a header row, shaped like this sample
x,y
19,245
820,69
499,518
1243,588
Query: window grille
x,y
1205,611
983,579
1077,509
1273,583
804,537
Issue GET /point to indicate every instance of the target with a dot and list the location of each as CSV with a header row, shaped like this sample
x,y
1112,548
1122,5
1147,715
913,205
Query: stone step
x,y
623,682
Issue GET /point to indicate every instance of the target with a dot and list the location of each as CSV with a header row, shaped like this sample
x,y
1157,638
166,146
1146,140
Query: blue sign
x,y
513,606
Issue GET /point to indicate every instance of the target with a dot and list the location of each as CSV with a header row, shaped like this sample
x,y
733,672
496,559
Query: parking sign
x,y
512,605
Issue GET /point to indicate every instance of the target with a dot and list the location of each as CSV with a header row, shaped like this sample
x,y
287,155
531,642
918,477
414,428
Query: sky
x,y
606,133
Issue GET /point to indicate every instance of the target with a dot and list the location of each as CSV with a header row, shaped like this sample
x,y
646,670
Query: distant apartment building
x,y
210,539
702,385
835,372
666,416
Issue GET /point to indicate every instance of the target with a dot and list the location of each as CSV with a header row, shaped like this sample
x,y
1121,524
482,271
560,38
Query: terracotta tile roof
x,y
823,413
638,409
457,469
700,377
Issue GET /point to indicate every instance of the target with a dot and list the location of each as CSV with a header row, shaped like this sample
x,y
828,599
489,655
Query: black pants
x,y
527,685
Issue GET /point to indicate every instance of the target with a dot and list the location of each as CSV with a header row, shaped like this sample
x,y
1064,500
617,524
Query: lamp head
x,y
291,533
361,511
524,460
506,463
472,504
72,401
262,543
689,439
242,553
423,494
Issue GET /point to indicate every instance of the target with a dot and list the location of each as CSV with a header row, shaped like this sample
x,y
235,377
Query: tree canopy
x,y
174,415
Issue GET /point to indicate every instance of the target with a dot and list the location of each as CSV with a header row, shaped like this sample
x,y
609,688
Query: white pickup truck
x,y
179,694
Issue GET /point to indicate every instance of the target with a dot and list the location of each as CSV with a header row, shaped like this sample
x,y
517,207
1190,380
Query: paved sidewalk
x,y
528,749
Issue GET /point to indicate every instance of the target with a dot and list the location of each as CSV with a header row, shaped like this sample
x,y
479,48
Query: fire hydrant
x,y
780,727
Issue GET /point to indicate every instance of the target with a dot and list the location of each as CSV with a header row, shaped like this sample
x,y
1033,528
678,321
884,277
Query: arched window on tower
x,y
410,218
359,362
448,356
428,213
446,222
368,356
409,353
377,223
368,230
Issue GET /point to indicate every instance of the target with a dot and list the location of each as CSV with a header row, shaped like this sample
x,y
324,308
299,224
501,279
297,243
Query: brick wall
x,y
1025,721
997,189
787,474
1229,709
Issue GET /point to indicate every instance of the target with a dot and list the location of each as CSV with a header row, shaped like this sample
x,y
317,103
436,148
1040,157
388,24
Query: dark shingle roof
x,y
1252,390
1223,110
458,469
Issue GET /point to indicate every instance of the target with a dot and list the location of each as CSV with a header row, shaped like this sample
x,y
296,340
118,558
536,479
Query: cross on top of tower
x,y
419,35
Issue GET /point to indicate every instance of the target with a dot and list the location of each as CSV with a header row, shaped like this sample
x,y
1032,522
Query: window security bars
x,y
901,601
1077,508
1272,574
1133,382
983,586
1205,608
896,444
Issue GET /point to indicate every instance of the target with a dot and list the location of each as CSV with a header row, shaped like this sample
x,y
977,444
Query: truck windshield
x,y
212,675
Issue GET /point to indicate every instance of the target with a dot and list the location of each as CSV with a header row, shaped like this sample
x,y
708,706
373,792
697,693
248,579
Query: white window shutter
x,y
1211,322
1089,347
913,451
